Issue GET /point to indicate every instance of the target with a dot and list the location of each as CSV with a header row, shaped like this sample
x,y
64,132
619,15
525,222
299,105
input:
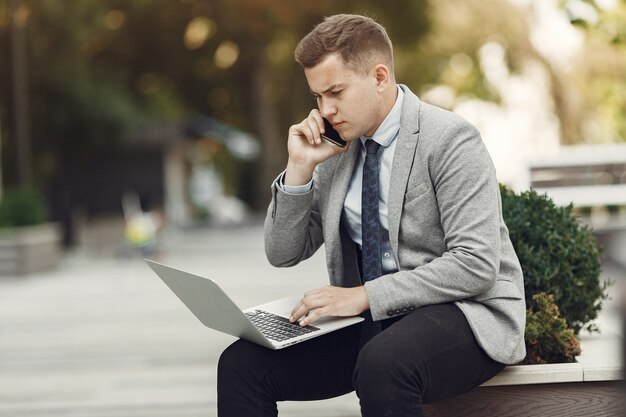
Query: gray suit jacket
x,y
445,226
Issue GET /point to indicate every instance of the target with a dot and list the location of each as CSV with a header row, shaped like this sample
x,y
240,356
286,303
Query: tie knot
x,y
371,146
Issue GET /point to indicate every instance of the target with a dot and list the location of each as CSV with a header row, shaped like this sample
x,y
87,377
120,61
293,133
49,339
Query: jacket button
x,y
390,313
398,311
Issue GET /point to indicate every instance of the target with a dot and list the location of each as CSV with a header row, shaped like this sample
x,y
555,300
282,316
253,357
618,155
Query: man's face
x,y
350,101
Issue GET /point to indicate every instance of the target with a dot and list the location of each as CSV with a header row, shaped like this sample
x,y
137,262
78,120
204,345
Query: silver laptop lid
x,y
206,300
215,309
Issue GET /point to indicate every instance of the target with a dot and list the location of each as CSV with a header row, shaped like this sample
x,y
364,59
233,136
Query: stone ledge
x,y
600,360
601,357
537,374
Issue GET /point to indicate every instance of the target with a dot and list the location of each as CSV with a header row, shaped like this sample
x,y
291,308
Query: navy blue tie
x,y
370,215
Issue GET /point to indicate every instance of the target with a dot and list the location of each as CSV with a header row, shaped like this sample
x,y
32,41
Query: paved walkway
x,y
104,337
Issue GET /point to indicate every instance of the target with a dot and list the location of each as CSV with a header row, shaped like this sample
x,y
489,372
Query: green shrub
x,y
548,339
558,254
22,207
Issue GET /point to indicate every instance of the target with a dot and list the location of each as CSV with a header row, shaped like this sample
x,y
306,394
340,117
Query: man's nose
x,y
327,108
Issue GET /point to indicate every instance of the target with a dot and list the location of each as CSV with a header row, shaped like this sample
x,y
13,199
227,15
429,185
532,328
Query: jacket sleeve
x,y
293,227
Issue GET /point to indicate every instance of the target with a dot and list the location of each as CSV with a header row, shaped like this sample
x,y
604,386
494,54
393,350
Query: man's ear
x,y
381,72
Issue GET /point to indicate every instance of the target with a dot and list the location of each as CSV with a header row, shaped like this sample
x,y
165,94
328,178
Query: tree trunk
x,y
273,141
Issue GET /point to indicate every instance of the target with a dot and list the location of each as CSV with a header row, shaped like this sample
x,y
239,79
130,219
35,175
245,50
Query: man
x,y
432,270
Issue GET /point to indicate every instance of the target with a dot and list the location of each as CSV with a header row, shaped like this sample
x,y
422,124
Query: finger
x,y
300,131
299,313
317,124
296,312
314,131
319,120
303,131
312,317
310,301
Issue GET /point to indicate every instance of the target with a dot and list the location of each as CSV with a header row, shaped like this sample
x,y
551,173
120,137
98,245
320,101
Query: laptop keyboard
x,y
276,327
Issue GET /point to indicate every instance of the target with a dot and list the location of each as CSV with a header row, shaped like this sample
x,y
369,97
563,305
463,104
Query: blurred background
x,y
155,128
185,104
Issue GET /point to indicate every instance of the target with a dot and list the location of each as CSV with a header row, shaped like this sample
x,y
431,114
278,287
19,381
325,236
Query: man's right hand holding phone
x,y
307,149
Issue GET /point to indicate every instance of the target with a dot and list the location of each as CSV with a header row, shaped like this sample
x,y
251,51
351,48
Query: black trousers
x,y
426,356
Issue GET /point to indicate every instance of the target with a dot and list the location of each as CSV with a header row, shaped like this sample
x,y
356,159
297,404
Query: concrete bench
x,y
591,386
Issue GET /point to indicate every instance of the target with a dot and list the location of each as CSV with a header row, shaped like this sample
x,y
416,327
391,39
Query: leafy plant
x,y
558,254
548,338
22,207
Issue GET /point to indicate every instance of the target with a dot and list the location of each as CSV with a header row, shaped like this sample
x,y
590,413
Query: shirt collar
x,y
388,129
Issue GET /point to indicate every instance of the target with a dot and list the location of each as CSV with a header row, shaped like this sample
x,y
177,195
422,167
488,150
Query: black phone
x,y
332,136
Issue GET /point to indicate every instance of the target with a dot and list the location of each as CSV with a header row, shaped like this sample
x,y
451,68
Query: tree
x,y
599,78
97,69
267,32
100,69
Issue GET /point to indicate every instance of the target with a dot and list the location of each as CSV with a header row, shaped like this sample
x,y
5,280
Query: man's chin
x,y
350,137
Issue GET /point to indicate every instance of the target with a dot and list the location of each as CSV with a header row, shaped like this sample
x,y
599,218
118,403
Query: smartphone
x,y
332,136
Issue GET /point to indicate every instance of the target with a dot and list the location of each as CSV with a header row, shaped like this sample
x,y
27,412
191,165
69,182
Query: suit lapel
x,y
337,195
402,162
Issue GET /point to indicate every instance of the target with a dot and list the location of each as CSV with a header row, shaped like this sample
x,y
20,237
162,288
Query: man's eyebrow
x,y
332,87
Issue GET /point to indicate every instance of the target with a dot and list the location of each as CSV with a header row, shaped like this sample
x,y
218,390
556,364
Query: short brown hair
x,y
358,40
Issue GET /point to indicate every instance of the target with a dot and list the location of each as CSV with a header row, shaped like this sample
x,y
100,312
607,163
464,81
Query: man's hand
x,y
307,149
330,301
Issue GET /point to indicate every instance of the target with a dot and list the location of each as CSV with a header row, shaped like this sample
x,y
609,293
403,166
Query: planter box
x,y
591,386
24,250
568,400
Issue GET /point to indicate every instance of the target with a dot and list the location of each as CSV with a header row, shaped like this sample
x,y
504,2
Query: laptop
x,y
266,325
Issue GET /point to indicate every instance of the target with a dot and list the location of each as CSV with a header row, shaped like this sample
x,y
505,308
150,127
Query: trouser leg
x,y
427,356
251,378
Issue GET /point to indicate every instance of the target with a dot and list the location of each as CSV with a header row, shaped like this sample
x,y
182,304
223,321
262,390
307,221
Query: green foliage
x,y
558,254
600,76
90,110
100,70
548,338
22,207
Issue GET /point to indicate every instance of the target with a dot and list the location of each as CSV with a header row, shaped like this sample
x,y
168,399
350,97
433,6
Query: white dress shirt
x,y
385,135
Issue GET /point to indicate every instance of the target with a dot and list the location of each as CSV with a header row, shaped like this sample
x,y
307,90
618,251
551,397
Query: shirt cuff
x,y
290,189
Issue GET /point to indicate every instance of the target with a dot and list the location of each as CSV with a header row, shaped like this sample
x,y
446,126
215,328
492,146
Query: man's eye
x,y
336,93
